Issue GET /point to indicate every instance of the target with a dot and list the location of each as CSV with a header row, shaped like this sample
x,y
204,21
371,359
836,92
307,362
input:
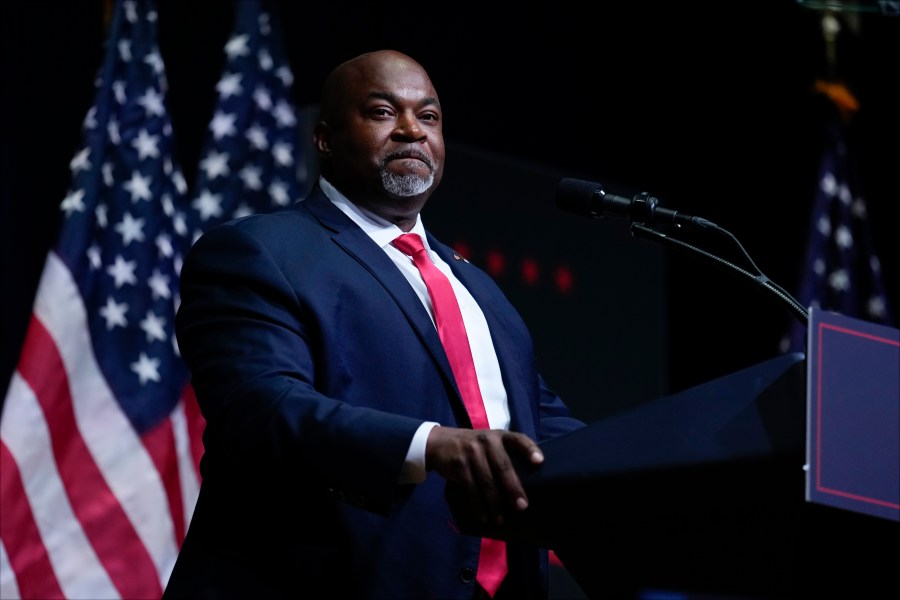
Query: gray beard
x,y
404,186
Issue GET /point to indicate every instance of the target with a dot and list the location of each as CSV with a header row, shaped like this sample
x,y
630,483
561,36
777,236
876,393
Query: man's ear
x,y
322,139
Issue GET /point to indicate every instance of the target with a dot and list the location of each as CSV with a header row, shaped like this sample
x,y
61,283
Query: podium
x,y
701,492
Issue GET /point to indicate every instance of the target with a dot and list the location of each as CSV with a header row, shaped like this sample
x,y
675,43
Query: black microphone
x,y
589,199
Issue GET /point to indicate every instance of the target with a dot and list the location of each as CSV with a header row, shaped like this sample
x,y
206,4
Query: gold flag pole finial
x,y
831,85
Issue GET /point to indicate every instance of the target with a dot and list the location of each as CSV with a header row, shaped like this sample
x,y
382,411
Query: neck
x,y
401,211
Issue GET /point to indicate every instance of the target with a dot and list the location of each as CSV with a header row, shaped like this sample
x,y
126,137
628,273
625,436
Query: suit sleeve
x,y
555,419
251,345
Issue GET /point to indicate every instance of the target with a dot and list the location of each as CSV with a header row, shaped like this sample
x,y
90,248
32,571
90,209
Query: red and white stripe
x,y
90,509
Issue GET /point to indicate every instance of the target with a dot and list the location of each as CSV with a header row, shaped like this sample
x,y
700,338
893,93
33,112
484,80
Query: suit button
x,y
467,575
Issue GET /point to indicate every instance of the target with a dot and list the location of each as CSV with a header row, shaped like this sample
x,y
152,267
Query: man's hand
x,y
480,462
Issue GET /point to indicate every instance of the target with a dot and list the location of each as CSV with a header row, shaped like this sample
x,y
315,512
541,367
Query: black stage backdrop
x,y
709,109
707,106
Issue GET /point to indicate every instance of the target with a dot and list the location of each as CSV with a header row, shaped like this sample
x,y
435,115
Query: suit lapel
x,y
360,246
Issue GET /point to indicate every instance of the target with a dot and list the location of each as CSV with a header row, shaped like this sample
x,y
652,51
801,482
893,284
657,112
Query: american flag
x,y
100,436
253,159
842,271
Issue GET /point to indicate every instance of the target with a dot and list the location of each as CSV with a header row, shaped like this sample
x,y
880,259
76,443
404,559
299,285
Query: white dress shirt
x,y
487,367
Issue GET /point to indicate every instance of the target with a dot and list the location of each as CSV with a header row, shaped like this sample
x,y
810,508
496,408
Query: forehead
x,y
395,77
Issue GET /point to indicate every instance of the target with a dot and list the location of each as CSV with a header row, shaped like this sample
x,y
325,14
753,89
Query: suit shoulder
x,y
292,216
265,225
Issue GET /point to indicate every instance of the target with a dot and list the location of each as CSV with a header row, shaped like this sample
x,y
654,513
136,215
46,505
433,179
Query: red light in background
x,y
564,279
530,271
496,262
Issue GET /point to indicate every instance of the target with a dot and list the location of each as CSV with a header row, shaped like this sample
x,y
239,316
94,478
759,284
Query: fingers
x,y
504,469
481,462
525,446
484,482
460,455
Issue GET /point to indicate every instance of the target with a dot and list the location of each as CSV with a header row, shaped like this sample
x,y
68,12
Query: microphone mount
x,y
590,199
643,213
642,208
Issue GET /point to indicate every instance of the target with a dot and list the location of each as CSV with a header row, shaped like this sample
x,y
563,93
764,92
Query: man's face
x,y
388,139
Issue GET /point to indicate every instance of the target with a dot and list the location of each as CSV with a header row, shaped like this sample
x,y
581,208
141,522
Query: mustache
x,y
409,153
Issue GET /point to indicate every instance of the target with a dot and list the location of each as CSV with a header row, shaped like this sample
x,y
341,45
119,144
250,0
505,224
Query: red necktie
x,y
448,319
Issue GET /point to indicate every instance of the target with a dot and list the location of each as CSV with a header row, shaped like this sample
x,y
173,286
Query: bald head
x,y
379,135
341,80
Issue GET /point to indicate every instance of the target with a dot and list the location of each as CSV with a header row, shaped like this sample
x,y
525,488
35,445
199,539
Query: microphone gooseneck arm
x,y
794,307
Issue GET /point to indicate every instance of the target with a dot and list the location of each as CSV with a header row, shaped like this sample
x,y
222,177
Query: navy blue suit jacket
x,y
314,362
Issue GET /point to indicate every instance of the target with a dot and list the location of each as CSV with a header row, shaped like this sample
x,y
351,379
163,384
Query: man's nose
x,y
408,127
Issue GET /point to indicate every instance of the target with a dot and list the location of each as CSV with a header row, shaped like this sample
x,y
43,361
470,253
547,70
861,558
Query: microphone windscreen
x,y
577,196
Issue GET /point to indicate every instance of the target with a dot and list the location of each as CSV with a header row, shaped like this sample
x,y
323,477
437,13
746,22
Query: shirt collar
x,y
382,231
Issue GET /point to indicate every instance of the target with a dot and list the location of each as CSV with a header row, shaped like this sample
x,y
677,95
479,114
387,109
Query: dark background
x,y
708,107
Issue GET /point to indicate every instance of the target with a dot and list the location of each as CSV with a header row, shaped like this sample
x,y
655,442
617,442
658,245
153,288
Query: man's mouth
x,y
410,154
